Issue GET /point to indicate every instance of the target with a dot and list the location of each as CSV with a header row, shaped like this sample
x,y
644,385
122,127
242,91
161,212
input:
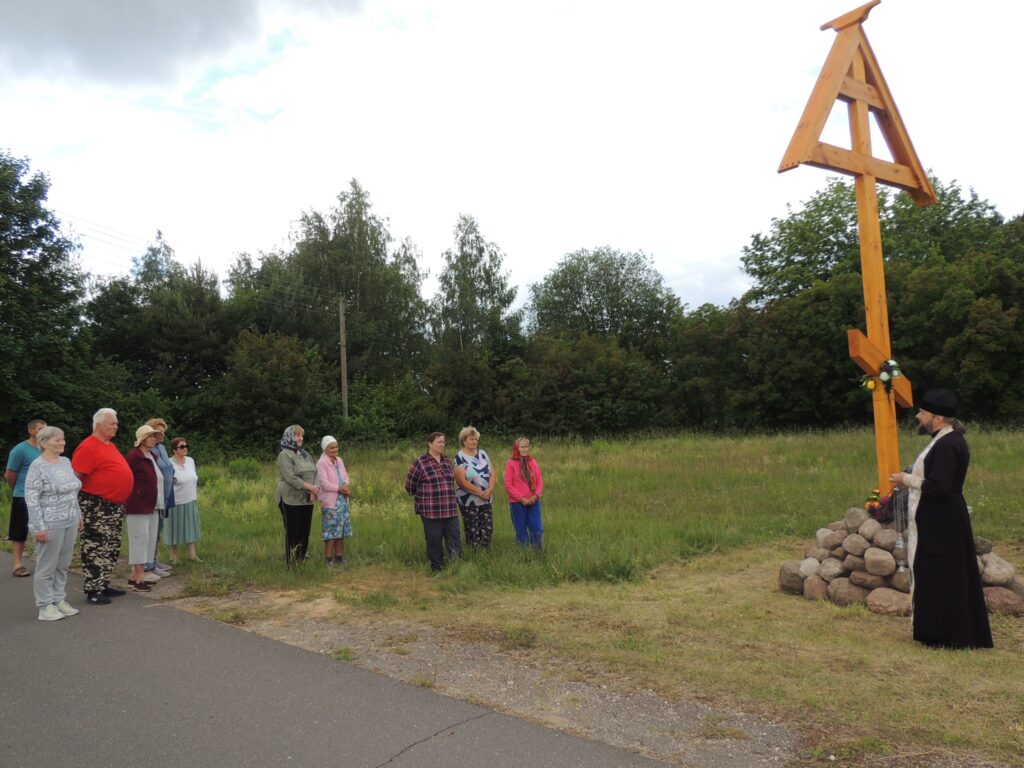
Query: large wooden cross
x,y
852,75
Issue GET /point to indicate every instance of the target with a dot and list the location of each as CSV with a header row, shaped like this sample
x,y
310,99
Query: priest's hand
x,y
898,479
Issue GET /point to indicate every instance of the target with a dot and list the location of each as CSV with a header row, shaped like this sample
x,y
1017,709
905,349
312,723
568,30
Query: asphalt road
x,y
139,683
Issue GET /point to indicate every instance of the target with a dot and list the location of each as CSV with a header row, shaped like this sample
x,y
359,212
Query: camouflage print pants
x,y
101,539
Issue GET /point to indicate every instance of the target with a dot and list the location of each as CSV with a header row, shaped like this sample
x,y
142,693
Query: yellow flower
x,y
871,385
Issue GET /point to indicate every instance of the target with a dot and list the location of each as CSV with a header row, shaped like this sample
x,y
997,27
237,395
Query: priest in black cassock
x,y
949,605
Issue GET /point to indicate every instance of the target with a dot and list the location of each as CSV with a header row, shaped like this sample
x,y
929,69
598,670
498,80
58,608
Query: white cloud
x,y
134,41
649,126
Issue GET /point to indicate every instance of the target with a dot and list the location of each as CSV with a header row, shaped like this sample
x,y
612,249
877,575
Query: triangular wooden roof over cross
x,y
851,74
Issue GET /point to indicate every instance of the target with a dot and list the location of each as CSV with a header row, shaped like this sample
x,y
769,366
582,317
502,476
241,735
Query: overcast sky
x,y
649,125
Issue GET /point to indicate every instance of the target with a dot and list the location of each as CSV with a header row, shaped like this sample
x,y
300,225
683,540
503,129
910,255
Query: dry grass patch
x,y
717,629
718,728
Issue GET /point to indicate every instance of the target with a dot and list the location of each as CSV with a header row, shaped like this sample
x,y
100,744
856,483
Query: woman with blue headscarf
x,y
296,492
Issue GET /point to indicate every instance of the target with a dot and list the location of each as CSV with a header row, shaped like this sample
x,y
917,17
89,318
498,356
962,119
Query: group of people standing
x,y
443,489
172,481
55,499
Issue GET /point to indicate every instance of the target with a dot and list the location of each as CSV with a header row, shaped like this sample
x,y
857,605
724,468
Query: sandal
x,y
20,571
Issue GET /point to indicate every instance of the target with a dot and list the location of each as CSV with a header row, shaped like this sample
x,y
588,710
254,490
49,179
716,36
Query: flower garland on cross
x,y
887,373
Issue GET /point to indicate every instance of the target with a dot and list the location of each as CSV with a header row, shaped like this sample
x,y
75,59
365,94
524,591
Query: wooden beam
x,y
857,90
856,16
887,441
858,113
833,158
823,97
870,359
894,130
872,266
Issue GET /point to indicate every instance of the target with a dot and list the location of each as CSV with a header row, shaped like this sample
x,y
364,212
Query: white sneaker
x,y
66,609
50,613
163,573
151,577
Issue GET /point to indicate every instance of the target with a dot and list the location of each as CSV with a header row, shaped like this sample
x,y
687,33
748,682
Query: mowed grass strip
x,y
659,571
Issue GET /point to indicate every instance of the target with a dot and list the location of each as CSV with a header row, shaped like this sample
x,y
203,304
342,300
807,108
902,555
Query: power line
x,y
272,291
105,229
111,243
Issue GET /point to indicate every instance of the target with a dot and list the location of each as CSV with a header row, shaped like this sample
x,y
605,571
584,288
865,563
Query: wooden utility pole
x,y
852,75
343,343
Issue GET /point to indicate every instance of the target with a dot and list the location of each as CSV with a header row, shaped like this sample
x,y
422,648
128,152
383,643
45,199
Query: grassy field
x,y
659,571
613,511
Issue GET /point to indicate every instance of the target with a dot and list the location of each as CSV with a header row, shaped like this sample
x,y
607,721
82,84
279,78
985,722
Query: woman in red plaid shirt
x,y
432,483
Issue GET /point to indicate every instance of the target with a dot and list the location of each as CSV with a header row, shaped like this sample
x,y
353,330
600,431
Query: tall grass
x,y
612,510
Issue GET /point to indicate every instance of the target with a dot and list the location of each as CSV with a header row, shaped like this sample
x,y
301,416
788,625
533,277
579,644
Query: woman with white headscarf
x,y
334,494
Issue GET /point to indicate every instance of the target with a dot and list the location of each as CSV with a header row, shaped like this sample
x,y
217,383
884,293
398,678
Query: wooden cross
x,y
852,75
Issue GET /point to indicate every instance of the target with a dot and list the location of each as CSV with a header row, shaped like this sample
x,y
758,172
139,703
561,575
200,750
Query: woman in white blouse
x,y
54,518
182,525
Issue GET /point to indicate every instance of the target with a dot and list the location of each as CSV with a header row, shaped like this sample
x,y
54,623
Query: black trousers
x,y
442,534
296,530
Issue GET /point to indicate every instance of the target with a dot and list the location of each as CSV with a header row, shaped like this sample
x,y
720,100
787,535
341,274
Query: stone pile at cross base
x,y
857,560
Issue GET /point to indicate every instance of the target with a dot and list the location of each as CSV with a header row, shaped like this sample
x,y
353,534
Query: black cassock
x,y
949,605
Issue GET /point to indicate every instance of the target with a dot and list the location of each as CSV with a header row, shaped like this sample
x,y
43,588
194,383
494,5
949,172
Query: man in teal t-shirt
x,y
18,462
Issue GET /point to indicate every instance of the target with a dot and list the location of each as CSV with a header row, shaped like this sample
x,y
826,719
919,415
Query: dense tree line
x,y
601,345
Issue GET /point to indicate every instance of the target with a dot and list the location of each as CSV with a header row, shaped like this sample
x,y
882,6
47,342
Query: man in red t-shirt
x,y
106,484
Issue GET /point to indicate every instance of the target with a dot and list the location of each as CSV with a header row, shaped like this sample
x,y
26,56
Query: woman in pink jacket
x,y
525,486
334,493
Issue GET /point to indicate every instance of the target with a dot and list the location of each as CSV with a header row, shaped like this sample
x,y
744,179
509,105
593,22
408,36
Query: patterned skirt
x,y
336,522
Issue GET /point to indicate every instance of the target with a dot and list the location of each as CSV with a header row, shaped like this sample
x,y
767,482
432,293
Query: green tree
x,y
272,381
166,323
705,362
605,292
808,246
987,354
579,385
821,240
958,226
796,367
955,296
343,253
958,325
152,271
475,329
189,332
43,365
112,316
474,300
